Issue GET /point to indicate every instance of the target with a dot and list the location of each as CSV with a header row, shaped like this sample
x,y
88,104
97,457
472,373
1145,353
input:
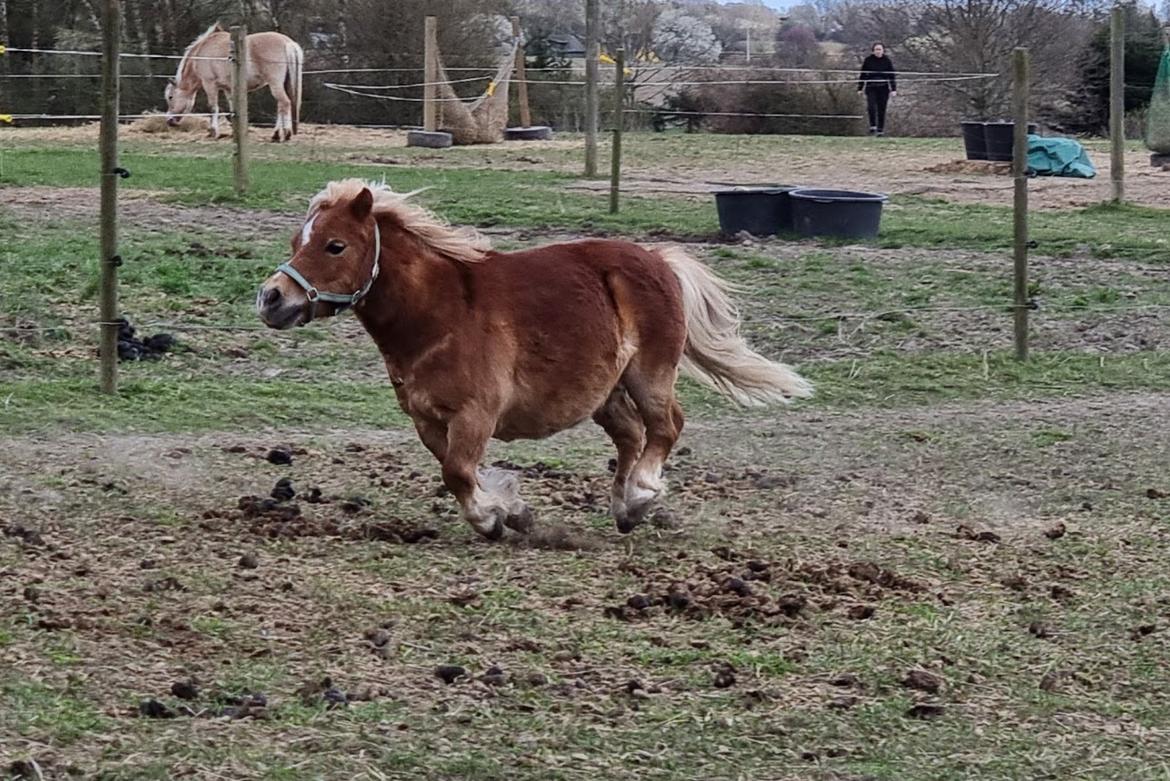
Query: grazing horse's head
x,y
334,263
179,102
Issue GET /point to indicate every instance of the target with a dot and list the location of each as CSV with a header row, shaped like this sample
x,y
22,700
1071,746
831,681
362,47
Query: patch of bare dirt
x,y
747,590
971,167
141,210
895,171
137,554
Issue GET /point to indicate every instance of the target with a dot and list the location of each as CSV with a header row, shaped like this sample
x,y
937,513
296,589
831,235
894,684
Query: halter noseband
x,y
343,301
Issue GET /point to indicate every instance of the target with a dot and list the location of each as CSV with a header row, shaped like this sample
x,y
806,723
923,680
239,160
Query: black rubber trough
x,y
842,214
533,133
428,139
991,140
758,210
974,139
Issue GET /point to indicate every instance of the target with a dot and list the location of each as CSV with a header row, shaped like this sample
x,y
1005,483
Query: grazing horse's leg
x,y
283,111
652,389
620,419
212,91
491,503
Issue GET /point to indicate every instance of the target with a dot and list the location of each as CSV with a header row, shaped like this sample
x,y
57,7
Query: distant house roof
x,y
567,45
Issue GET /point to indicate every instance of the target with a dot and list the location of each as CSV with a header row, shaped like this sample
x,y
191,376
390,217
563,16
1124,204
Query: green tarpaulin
x,y
1058,157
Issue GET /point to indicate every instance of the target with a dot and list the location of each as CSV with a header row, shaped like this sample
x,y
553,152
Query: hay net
x,y
482,120
1158,119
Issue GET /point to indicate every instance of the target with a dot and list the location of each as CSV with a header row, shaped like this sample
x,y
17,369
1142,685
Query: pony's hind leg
x,y
489,499
653,393
283,129
620,419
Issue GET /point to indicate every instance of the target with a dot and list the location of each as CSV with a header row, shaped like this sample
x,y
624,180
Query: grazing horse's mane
x,y
215,28
465,245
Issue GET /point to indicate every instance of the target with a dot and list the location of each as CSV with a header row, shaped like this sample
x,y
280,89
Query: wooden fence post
x,y
1117,102
108,140
1020,210
521,77
619,99
592,66
240,107
430,74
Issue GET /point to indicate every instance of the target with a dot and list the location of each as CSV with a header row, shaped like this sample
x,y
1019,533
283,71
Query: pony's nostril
x,y
271,296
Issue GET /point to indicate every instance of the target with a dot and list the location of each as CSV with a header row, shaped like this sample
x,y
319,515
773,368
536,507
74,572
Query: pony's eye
x,y
335,247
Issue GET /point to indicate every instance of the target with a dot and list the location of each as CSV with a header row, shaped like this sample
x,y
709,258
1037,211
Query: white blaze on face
x,y
307,230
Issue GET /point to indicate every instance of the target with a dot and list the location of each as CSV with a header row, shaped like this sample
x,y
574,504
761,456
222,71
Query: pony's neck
x,y
418,296
186,68
185,75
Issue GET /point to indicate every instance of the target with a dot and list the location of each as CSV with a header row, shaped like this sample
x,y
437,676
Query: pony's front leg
x,y
212,92
489,499
227,95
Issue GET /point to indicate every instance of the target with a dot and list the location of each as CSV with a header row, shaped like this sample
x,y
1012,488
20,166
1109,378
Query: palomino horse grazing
x,y
273,59
521,345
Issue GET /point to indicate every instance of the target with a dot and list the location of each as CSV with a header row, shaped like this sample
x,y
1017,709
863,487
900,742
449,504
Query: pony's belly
x,y
530,428
541,417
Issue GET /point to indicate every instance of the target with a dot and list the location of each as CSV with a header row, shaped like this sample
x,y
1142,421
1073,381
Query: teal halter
x,y
343,301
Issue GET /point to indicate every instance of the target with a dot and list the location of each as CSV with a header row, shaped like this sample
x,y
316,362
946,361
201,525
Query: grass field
x,y
946,565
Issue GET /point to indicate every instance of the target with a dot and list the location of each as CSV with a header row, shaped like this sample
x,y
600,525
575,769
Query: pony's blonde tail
x,y
294,68
716,354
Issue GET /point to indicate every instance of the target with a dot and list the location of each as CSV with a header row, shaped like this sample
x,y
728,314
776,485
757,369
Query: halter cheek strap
x,y
341,300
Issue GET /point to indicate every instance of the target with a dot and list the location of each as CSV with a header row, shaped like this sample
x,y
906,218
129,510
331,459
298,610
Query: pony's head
x,y
179,102
335,259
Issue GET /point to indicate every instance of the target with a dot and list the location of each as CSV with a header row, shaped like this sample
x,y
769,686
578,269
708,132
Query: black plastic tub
x,y
843,214
760,211
974,139
1000,139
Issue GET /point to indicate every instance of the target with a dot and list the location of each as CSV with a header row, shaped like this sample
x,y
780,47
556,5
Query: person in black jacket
x,y
878,81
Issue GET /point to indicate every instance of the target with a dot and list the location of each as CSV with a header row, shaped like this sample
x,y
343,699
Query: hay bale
x,y
154,122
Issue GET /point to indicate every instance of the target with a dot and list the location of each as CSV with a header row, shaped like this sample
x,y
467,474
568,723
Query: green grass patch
x,y
195,404
48,714
539,199
155,398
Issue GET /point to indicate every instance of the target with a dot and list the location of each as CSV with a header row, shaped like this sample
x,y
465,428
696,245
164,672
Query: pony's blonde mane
x,y
215,28
464,244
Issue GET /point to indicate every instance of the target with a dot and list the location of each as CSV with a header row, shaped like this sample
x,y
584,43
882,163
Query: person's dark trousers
x,y
876,98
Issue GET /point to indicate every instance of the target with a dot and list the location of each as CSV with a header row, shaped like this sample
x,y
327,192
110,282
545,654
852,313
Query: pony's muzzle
x,y
277,310
173,121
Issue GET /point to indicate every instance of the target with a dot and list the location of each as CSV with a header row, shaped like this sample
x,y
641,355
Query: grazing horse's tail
x,y
294,57
716,354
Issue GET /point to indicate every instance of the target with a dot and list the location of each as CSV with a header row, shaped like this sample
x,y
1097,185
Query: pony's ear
x,y
363,204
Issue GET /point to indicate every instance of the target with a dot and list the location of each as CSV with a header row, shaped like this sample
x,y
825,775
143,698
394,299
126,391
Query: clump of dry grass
x,y
155,122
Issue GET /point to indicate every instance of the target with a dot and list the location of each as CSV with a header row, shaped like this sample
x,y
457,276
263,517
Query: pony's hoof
x,y
627,524
496,532
521,522
632,518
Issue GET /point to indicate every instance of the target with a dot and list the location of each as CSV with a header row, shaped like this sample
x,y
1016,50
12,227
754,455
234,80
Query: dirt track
x,y
887,165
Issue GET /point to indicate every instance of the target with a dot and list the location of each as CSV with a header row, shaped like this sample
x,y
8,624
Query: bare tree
x,y
978,36
681,38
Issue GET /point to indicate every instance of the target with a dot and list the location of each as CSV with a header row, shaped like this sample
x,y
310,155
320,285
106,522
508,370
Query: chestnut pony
x,y
521,345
